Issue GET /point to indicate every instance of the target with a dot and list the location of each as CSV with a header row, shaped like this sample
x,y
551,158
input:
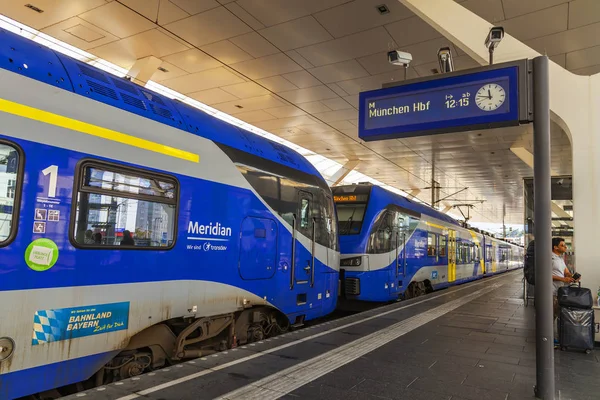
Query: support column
x,y
343,172
143,69
544,354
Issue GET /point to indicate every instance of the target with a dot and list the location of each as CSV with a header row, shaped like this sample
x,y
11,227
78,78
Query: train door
x,y
494,256
258,248
451,256
306,224
398,255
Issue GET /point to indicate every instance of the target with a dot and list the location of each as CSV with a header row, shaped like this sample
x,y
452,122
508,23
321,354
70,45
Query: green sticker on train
x,y
41,254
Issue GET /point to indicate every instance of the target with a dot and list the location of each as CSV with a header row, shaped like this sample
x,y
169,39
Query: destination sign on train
x,y
350,198
441,104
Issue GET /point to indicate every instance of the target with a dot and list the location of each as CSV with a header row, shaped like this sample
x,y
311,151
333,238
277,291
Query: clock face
x,y
490,97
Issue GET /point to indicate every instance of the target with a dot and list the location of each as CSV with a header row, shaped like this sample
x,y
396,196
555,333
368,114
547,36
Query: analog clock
x,y
490,97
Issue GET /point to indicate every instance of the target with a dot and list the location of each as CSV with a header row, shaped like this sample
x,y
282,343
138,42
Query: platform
x,y
475,341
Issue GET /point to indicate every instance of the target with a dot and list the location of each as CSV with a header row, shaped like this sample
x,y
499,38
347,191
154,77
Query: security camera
x,y
494,37
399,58
445,60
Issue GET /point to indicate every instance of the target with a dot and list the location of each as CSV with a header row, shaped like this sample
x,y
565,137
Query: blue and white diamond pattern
x,y
49,326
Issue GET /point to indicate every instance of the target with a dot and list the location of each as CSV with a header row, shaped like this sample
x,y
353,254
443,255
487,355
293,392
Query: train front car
x,y
392,247
136,231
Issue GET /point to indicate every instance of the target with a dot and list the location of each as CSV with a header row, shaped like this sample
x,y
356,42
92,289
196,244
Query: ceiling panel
x,y
126,52
226,52
585,58
273,12
212,96
583,12
412,30
514,8
302,79
55,11
254,44
192,60
540,23
277,84
118,20
308,94
490,10
243,15
209,27
567,41
357,16
208,79
169,12
79,33
194,6
349,47
297,33
345,70
285,112
251,104
246,90
265,67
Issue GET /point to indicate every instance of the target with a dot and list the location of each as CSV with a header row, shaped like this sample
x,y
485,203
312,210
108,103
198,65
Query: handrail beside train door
x,y
404,253
293,263
397,249
314,239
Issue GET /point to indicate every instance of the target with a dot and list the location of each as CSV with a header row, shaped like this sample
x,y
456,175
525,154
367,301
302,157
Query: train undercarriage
x,y
179,339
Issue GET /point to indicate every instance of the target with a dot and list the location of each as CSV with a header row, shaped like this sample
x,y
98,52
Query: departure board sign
x,y
480,98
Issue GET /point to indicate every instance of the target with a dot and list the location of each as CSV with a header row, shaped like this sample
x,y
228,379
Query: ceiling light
x,y
383,9
34,8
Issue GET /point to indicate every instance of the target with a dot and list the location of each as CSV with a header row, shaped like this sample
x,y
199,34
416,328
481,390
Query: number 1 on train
x,y
53,171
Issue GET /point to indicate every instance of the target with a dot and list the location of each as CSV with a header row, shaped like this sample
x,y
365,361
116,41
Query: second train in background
x,y
392,247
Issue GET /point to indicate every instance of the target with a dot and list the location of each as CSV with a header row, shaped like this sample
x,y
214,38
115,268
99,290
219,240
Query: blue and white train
x,y
136,231
392,247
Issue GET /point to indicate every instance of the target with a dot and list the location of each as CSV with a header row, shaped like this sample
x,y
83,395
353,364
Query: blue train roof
x,y
30,59
413,205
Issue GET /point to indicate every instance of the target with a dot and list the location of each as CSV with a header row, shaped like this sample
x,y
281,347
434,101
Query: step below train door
x,y
258,248
451,256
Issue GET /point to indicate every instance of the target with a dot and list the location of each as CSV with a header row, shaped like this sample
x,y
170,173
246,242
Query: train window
x,y
443,245
304,213
431,244
125,207
350,216
10,179
468,252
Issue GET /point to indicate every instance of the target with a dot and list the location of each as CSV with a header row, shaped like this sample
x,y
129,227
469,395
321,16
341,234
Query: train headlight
x,y
351,262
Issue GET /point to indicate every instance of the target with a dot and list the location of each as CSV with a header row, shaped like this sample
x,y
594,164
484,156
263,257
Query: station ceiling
x,y
295,68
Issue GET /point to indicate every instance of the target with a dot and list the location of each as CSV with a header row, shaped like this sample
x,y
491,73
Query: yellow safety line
x,y
83,127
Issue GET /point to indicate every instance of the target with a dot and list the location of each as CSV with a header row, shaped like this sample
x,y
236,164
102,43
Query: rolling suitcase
x,y
576,329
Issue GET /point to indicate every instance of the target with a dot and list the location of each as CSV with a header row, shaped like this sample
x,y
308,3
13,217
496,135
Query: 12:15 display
x,y
453,103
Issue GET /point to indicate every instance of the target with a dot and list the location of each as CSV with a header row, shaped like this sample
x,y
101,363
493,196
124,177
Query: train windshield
x,y
350,217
